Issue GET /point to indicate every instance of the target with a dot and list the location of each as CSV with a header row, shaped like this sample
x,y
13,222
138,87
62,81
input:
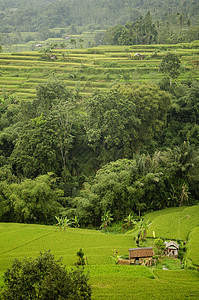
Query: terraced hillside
x,y
85,70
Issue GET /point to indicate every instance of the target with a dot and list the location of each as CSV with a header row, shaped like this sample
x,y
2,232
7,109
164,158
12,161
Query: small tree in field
x,y
44,278
80,258
170,65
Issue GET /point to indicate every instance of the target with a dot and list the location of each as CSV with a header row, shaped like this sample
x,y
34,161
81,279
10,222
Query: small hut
x,y
138,56
141,256
172,249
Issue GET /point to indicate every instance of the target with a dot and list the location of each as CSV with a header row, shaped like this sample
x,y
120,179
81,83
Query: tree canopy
x,y
44,278
121,121
124,151
170,65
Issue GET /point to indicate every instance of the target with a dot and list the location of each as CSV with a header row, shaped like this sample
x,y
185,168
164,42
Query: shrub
x,y
44,278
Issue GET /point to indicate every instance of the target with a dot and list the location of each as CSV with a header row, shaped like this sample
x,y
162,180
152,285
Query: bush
x,y
44,278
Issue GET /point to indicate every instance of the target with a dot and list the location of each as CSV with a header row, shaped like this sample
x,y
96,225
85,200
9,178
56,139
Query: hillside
x,y
84,70
109,281
180,223
33,15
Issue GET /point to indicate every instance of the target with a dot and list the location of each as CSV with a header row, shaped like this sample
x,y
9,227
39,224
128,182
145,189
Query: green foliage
x,y
170,65
143,183
80,258
143,225
49,93
133,33
106,219
75,222
31,201
122,120
129,221
63,222
160,245
44,278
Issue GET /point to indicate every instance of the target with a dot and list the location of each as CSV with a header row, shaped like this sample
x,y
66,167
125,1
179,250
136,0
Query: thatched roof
x,y
141,252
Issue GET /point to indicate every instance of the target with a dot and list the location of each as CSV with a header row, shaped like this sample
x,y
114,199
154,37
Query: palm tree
x,y
59,222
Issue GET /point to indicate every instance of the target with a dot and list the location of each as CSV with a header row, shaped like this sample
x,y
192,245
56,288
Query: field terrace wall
x,y
90,69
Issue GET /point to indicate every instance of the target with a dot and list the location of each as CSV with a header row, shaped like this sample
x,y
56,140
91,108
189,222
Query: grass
x,y
193,246
109,281
167,285
174,223
20,239
108,63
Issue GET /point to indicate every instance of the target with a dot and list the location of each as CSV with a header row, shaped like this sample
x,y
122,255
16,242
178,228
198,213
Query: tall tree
x,y
170,65
121,121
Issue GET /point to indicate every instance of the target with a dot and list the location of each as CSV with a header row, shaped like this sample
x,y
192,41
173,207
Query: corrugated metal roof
x,y
172,243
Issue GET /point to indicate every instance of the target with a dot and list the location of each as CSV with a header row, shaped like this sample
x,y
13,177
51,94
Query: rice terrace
x,y
109,280
84,70
99,149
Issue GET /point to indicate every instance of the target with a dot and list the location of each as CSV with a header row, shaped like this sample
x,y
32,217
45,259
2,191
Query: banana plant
x,y
130,222
63,222
59,222
106,219
75,222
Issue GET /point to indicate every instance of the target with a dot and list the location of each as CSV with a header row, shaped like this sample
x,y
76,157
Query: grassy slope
x,y
193,246
174,223
109,281
99,67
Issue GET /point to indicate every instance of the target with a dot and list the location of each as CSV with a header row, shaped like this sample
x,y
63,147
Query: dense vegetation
x,y
33,15
44,278
130,147
131,23
105,137
108,280
133,148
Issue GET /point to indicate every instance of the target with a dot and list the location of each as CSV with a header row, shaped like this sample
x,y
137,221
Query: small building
x,y
53,57
172,249
138,56
141,256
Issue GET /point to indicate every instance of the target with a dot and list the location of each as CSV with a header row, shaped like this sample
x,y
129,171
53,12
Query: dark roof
x,y
141,252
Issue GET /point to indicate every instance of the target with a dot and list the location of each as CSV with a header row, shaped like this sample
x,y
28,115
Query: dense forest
x,y
130,149
34,14
169,21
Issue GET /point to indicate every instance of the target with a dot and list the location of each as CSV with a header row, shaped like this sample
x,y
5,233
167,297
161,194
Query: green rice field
x,y
92,68
174,223
108,280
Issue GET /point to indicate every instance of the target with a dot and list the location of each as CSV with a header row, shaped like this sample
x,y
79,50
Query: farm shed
x,y
141,256
172,249
139,56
